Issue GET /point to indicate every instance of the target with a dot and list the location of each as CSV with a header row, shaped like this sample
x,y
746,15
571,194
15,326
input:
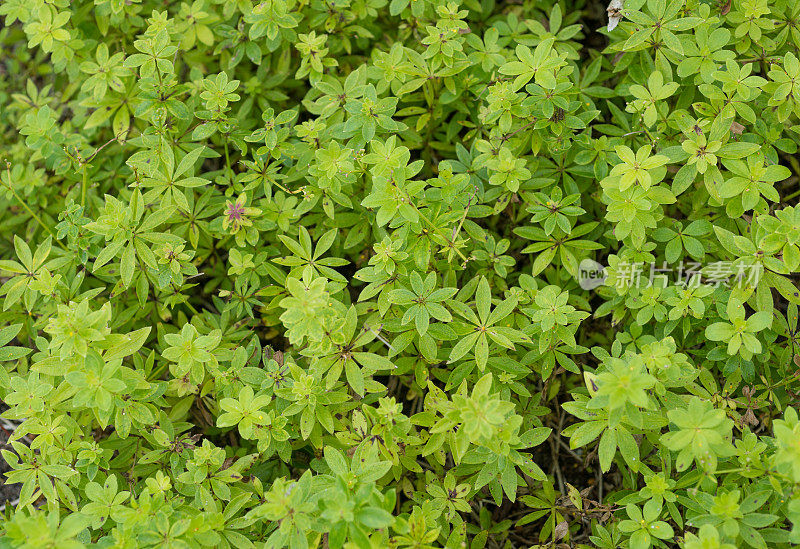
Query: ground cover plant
x,y
400,273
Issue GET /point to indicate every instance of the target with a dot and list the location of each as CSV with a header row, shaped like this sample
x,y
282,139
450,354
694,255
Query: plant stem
x,y
36,217
84,184
191,307
794,194
229,171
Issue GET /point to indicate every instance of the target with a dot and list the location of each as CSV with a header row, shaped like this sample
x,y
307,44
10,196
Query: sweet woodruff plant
x,y
408,273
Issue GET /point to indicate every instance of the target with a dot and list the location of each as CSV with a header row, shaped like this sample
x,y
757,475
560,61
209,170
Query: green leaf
x,y
607,449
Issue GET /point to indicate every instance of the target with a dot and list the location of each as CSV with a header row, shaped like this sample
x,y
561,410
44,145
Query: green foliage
x,y
314,274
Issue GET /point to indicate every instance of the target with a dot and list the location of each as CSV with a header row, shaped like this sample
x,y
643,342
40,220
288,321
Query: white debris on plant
x,y
614,13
